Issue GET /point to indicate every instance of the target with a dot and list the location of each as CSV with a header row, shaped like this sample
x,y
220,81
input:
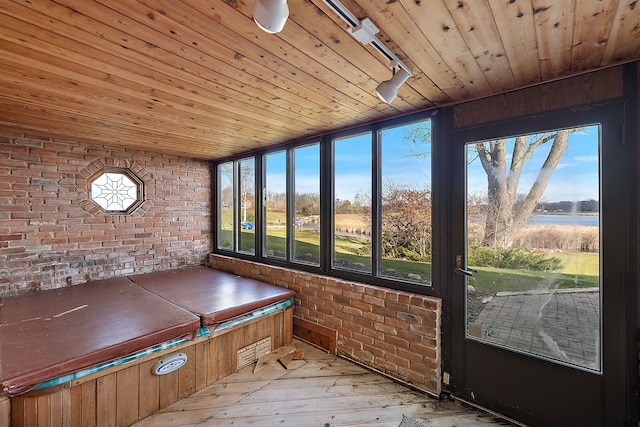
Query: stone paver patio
x,y
563,325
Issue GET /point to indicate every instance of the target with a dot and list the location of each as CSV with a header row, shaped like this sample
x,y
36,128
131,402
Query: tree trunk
x,y
524,211
499,198
504,215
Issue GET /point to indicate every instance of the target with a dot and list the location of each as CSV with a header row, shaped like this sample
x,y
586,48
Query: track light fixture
x,y
364,31
270,15
388,89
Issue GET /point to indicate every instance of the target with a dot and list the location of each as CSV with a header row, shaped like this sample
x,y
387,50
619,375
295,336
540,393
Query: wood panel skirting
x,y
318,335
122,395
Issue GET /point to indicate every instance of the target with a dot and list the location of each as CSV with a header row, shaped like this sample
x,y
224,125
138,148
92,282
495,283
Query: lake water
x,y
587,220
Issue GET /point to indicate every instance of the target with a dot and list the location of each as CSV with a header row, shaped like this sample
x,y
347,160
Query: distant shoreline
x,y
568,213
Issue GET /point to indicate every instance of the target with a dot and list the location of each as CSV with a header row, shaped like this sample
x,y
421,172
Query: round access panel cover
x,y
169,363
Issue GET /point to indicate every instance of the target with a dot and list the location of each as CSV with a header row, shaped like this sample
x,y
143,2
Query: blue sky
x,y
276,172
399,164
352,166
575,178
307,179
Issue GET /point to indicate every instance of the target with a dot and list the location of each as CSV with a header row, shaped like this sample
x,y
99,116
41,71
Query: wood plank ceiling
x,y
200,79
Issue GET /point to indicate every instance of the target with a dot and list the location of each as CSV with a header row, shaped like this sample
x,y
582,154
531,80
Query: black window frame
x,y
326,207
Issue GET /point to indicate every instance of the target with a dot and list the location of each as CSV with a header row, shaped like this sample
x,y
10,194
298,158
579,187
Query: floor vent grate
x,y
251,353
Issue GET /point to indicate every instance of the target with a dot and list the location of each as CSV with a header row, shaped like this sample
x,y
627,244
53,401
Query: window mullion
x,y
259,209
236,205
291,202
326,203
376,221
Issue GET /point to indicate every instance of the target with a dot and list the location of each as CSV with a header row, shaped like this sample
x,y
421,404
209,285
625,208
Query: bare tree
x,y
276,202
226,184
508,211
247,187
418,141
308,204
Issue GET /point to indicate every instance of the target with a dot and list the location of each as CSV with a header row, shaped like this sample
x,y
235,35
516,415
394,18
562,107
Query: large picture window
x,y
247,205
224,211
377,219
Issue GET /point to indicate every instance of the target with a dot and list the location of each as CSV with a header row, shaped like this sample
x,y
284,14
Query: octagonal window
x,y
117,191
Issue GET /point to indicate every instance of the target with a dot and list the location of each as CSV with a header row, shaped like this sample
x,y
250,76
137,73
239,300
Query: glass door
x,y
539,245
533,245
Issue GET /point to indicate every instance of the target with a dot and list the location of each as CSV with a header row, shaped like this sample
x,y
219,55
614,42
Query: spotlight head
x,y
388,89
270,15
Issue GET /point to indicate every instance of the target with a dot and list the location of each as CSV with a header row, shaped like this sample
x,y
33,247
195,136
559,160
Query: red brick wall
x,y
51,235
395,332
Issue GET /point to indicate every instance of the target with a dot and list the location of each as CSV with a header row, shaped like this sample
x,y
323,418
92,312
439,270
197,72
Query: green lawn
x,y
276,217
307,243
492,280
349,245
487,279
586,263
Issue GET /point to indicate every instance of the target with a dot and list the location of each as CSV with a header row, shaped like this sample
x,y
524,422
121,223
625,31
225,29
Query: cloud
x,y
584,159
347,185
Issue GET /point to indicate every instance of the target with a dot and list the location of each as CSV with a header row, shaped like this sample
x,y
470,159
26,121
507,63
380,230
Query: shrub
x,y
514,259
406,223
481,256
411,255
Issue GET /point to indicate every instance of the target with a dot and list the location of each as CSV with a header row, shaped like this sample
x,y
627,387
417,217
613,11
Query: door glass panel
x,y
533,245
275,206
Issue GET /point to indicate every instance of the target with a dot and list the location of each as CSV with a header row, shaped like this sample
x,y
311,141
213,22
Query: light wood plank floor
x,y
319,390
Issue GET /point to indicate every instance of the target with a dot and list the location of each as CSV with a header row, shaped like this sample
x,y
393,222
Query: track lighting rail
x,y
356,25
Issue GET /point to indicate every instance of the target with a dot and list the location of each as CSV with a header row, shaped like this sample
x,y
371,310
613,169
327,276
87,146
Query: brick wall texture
x,y
52,235
395,332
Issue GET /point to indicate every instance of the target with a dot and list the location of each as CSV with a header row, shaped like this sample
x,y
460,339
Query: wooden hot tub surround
x,y
83,355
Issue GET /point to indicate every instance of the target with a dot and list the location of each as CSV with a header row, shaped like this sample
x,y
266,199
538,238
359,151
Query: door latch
x,y
467,272
462,271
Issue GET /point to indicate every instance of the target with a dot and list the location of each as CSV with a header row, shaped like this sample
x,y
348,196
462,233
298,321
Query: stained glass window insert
x,y
116,191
